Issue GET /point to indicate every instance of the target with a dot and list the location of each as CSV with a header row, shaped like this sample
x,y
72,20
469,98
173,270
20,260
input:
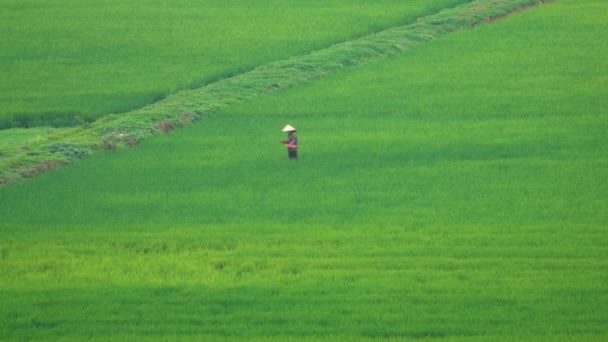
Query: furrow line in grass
x,y
186,107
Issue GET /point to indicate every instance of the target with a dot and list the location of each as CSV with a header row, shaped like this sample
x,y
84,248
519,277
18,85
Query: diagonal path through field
x,y
186,107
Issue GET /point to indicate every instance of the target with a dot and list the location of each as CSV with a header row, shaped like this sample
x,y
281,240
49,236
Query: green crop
x,y
68,62
114,131
456,191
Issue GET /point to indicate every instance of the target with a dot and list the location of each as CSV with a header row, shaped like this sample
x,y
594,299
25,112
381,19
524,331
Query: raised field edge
x,y
115,131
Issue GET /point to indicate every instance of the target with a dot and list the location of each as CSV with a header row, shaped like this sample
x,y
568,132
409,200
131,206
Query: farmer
x,y
291,142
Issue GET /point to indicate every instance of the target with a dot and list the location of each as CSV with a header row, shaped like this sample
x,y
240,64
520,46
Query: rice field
x,y
69,62
456,192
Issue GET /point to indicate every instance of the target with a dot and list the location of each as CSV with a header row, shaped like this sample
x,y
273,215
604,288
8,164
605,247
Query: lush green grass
x,y
456,191
69,61
15,138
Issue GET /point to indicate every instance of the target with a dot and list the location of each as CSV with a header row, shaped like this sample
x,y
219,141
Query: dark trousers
x,y
293,154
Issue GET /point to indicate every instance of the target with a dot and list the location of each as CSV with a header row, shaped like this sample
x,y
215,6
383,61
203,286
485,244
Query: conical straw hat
x,y
288,128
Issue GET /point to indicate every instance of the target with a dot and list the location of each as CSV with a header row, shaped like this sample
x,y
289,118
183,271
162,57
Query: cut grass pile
x,y
456,191
67,62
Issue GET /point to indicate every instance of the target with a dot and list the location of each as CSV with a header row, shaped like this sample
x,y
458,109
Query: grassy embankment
x,y
455,191
67,145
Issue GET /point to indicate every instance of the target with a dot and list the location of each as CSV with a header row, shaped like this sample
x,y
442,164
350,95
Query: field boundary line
x,y
116,131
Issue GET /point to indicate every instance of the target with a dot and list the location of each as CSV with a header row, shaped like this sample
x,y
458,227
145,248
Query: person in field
x,y
291,142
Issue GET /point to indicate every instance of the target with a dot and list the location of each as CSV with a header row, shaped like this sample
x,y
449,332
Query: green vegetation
x,y
68,61
114,131
455,191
